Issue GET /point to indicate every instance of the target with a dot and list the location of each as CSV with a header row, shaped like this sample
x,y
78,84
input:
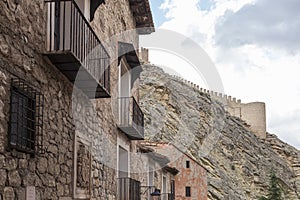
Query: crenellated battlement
x,y
254,113
144,55
216,95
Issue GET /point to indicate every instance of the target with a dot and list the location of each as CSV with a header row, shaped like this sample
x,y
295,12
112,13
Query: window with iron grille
x,y
26,117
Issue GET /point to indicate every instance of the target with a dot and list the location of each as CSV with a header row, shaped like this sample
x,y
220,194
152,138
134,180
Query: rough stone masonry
x,y
23,33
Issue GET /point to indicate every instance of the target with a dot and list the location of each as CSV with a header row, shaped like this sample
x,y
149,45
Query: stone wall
x,y
68,114
254,114
114,18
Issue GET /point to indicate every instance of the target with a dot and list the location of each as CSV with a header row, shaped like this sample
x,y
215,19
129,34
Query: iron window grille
x,y
129,189
26,117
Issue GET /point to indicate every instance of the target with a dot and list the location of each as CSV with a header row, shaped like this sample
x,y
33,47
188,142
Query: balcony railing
x,y
167,196
129,189
74,48
131,118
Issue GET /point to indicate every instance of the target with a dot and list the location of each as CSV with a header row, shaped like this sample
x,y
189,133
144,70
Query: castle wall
x,y
144,55
254,114
73,124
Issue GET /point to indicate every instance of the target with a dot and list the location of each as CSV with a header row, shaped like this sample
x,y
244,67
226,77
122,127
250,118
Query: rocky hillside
x,y
238,162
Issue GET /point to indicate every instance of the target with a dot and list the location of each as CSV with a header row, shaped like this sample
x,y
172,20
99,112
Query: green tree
x,y
275,192
274,189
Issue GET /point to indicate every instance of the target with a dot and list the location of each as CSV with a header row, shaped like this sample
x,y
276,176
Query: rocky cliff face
x,y
238,163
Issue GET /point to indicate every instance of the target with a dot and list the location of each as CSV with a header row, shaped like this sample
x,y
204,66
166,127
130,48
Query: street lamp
x,y
154,195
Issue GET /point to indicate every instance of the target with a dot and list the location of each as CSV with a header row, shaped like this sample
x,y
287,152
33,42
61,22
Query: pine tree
x,y
274,189
275,192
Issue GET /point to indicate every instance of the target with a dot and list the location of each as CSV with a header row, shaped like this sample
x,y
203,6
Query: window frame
x,y
187,164
25,125
21,121
188,192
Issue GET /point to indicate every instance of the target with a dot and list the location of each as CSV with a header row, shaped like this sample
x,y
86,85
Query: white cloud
x,y
274,81
288,126
254,65
270,23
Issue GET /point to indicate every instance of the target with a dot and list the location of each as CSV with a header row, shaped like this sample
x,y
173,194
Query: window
x,y
172,189
25,125
187,191
187,164
164,188
124,79
151,173
123,163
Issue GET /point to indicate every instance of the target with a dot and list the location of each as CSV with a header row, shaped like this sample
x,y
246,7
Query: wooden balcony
x,y
74,48
131,118
129,189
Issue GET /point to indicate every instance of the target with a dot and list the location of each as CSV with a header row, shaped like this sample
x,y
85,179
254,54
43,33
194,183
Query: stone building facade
x,y
191,181
154,172
61,134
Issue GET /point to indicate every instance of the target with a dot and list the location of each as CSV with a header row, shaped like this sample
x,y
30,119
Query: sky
x,y
255,46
